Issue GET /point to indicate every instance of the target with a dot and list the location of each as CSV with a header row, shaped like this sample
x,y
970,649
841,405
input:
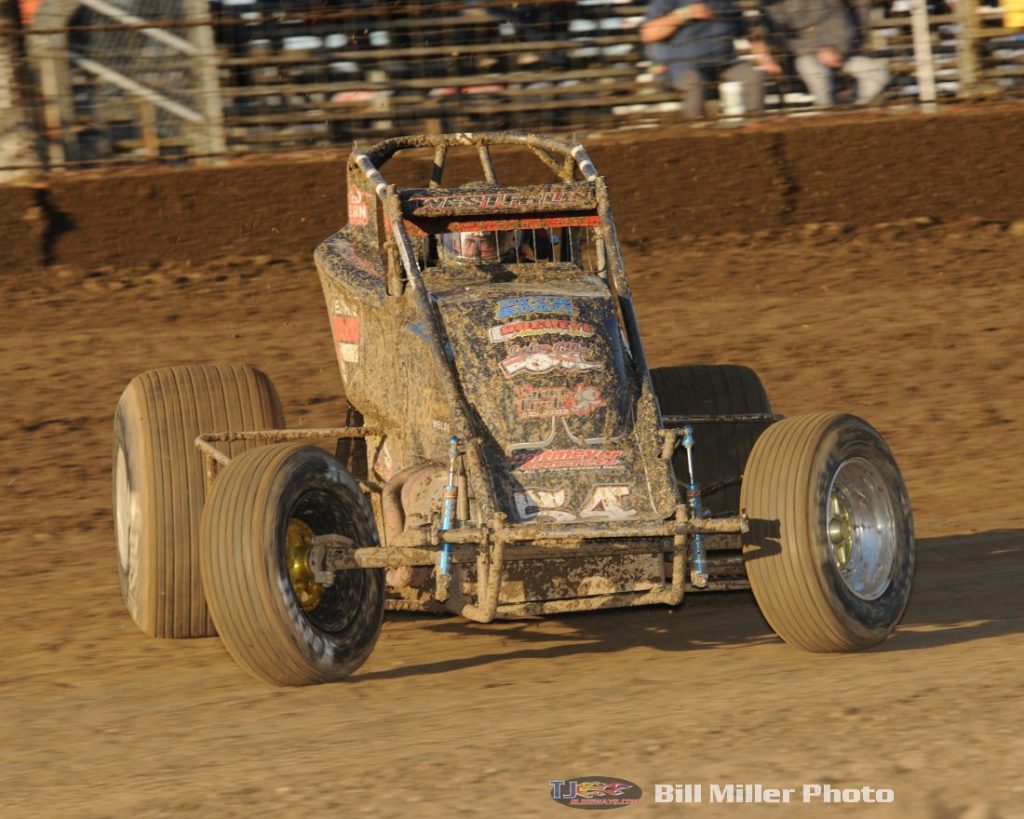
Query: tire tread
x,y
721,449
240,521
168,408
789,586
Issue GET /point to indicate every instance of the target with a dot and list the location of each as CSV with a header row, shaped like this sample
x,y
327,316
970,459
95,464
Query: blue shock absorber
x,y
451,495
698,574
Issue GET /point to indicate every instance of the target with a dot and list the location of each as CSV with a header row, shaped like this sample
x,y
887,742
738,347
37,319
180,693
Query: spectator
x,y
539,22
693,44
826,38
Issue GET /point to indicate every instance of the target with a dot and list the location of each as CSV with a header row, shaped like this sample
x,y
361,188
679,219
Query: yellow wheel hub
x,y
840,529
298,543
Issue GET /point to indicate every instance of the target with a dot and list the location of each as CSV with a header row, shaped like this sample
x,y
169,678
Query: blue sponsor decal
x,y
595,792
528,305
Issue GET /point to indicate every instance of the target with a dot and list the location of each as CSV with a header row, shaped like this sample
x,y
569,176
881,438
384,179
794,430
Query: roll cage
x,y
396,218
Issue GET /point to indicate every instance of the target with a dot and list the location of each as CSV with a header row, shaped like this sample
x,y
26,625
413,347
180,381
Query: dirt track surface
x,y
913,325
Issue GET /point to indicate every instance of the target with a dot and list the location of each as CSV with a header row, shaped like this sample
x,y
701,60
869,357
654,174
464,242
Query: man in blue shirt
x,y
693,42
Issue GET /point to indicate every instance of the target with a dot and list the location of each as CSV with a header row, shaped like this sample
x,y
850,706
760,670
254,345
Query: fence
x,y
128,81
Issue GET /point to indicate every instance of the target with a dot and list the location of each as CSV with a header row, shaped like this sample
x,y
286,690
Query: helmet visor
x,y
480,245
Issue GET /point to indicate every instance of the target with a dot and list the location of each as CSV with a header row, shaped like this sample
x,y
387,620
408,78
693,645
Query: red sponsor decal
x,y
345,329
517,329
358,208
550,459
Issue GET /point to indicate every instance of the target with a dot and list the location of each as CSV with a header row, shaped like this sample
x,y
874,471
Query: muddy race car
x,y
507,451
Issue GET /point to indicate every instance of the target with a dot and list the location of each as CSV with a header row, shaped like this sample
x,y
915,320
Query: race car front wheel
x,y
278,622
830,550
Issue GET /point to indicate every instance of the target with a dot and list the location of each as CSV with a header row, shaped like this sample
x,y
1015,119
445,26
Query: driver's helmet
x,y
479,246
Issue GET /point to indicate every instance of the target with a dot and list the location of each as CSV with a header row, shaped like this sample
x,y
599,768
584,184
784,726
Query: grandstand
x,y
181,80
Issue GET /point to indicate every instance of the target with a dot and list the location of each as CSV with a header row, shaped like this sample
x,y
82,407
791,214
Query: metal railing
x,y
130,81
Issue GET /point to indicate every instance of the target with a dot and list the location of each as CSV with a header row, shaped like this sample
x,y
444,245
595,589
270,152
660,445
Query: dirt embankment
x,y
858,171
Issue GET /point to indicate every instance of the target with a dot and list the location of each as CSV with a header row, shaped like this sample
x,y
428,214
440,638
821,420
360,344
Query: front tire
x,y
830,551
278,623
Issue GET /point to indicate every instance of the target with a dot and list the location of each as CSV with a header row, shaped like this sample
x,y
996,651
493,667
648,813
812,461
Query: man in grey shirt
x,y
824,38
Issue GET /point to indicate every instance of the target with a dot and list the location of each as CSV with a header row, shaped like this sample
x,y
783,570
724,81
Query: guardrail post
x,y
923,62
16,137
967,46
48,55
212,141
55,89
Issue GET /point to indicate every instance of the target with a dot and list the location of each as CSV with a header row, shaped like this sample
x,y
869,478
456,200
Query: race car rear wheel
x,y
159,483
830,550
721,447
275,619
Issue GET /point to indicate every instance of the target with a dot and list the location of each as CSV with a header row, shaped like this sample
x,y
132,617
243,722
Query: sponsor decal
x,y
542,358
538,327
549,439
358,208
551,459
504,200
557,402
346,334
527,305
533,503
345,328
595,792
346,331
606,502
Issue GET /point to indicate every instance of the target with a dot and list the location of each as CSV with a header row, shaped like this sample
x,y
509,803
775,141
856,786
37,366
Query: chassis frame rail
x,y
490,547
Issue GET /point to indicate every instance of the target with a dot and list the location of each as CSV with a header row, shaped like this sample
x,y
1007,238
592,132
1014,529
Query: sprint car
x,y
506,452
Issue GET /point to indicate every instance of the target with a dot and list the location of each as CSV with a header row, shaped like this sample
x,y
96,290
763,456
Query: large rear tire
x,y
830,551
721,447
159,483
278,623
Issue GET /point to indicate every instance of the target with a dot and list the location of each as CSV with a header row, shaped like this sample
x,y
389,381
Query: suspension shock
x,y
451,497
698,571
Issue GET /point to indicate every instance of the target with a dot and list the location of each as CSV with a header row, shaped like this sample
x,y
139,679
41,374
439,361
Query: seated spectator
x,y
538,22
826,38
693,44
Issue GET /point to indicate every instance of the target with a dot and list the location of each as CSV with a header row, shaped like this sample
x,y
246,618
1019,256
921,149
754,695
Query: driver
x,y
480,246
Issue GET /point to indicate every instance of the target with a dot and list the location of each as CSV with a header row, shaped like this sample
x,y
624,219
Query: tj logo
x,y
595,792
